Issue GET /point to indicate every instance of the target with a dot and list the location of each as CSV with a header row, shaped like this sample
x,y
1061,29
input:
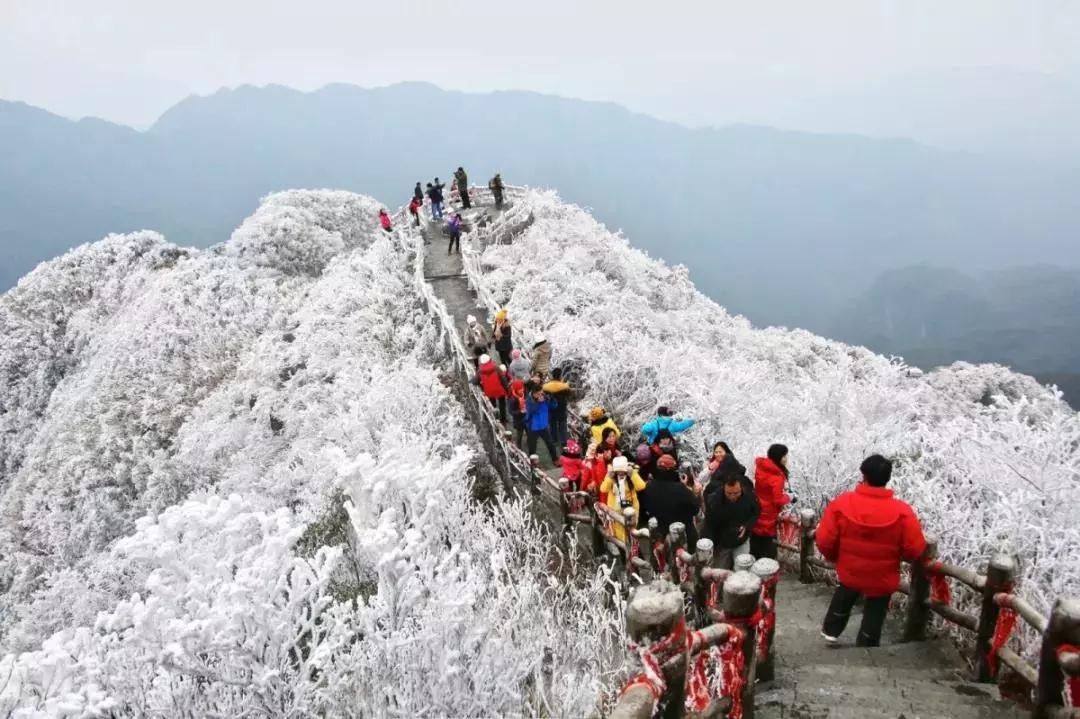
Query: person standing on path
x,y
866,532
495,184
622,485
476,338
462,181
731,511
414,209
541,351
491,383
770,475
559,392
538,423
434,193
668,500
417,193
519,366
454,228
384,221
502,334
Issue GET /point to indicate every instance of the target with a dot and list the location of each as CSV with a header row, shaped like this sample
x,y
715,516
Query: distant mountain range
x,y
784,227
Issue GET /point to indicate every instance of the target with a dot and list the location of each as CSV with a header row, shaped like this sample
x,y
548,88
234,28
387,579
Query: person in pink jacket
x,y
384,220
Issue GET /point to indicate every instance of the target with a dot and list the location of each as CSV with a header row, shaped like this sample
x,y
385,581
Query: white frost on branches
x,y
990,459
235,481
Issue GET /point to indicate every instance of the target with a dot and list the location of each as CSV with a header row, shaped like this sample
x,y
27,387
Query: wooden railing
x,y
1055,682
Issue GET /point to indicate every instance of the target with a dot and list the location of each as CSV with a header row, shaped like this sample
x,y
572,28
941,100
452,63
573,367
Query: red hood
x,y
765,466
488,367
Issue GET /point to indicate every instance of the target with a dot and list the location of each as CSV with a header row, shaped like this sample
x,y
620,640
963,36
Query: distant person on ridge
x,y
495,184
559,392
462,181
502,334
384,220
434,193
453,226
866,532
770,476
664,419
487,376
418,193
414,209
476,338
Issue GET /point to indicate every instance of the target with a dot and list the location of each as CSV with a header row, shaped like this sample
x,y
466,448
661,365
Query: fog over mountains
x,y
788,228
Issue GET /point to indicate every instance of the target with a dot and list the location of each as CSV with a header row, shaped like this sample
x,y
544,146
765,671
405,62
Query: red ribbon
x,y
714,594
697,680
940,592
652,658
790,531
732,671
1006,620
764,626
661,557
684,568
1072,684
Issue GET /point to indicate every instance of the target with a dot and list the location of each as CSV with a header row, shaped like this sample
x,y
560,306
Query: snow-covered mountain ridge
x,y
237,475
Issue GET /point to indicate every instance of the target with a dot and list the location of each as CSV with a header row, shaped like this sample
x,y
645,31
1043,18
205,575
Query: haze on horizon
x,y
789,65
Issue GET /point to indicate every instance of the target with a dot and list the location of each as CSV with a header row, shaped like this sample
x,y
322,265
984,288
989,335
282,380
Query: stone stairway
x,y
919,680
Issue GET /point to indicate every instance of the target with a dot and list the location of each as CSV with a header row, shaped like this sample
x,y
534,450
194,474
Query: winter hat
x,y
777,452
643,453
540,340
471,319
664,411
484,359
596,413
572,447
516,354
666,461
502,368
501,314
620,464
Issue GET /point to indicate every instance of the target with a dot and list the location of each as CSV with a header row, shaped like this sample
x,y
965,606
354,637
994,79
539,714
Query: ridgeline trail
x,y
927,679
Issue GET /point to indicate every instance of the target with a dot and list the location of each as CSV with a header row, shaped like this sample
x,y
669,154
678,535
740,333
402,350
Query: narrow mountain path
x,y
918,680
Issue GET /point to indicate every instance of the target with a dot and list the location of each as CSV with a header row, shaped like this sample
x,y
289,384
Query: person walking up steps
x,y
559,392
495,184
384,221
621,485
491,383
519,366
502,334
866,532
770,475
598,422
462,181
476,339
668,500
731,511
664,419
453,226
538,423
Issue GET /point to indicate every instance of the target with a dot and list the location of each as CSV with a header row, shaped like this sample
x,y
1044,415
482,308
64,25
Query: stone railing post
x,y
676,541
918,607
654,614
807,522
1000,575
742,596
1063,629
703,555
768,570
743,562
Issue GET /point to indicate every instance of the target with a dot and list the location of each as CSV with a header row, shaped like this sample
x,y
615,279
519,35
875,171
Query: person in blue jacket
x,y
538,422
664,419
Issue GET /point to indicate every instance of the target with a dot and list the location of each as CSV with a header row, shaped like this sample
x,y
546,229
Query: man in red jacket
x,y
866,533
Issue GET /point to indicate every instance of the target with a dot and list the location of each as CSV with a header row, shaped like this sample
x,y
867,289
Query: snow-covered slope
x,y
235,479
990,459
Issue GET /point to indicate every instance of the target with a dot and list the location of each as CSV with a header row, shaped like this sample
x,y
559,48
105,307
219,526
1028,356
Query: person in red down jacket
x,y
572,464
770,476
866,533
491,383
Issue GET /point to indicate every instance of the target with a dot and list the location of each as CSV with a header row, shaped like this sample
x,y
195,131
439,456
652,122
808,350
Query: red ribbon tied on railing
x,y
1006,620
1072,684
940,592
790,531
661,557
652,658
684,568
733,671
697,679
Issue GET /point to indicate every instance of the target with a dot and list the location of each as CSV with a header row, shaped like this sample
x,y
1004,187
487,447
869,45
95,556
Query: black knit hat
x,y
664,411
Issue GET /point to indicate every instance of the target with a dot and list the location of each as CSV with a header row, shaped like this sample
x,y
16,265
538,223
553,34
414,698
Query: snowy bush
x,y
990,459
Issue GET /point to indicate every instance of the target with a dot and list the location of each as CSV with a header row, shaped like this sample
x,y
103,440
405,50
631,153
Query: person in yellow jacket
x,y
622,485
598,422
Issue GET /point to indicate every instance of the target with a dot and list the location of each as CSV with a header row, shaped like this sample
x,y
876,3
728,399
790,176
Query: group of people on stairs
x,y
865,532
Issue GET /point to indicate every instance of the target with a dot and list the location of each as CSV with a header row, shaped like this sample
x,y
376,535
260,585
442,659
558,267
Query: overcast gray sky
x,y
696,62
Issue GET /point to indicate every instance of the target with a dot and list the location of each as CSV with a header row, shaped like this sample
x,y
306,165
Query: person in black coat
x,y
418,193
729,465
669,500
730,514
